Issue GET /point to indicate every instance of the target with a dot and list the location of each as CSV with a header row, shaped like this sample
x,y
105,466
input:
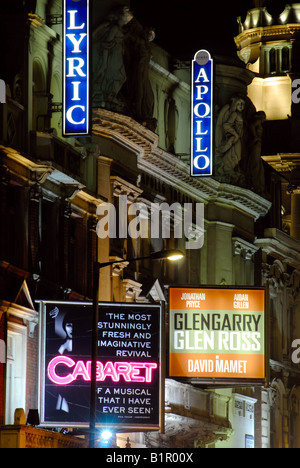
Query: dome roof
x,y
260,17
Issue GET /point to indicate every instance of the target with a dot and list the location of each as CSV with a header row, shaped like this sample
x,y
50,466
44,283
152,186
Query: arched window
x,y
55,103
285,59
39,98
272,61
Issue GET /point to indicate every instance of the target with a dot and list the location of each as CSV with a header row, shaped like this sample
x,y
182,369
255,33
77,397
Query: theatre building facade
x,y
138,157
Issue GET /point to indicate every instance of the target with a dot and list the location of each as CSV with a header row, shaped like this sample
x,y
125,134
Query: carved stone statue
x,y
121,61
238,143
229,133
255,164
108,60
138,91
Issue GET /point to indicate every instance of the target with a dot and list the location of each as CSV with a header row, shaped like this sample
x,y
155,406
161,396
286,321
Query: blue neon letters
x,y
202,115
76,68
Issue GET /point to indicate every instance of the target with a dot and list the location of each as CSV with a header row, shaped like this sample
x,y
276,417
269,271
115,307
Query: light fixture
x,y
106,435
33,418
175,255
106,439
171,255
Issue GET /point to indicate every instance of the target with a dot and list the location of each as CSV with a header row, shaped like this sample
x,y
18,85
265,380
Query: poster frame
x,y
119,427
215,382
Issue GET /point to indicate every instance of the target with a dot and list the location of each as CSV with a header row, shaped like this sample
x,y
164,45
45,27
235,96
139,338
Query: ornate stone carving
x,y
109,69
121,67
255,164
138,93
168,169
229,133
238,139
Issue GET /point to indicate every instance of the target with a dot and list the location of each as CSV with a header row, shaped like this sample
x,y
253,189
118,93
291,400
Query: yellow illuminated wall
x,y
272,95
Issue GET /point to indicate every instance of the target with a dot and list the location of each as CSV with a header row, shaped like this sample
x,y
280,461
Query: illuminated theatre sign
x,y
217,334
76,106
128,367
202,115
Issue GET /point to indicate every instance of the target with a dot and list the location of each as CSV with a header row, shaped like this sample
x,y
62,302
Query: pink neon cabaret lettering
x,y
130,371
149,367
80,370
124,369
65,360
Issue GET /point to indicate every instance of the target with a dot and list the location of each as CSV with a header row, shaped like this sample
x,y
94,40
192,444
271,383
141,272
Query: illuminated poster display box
x,y
218,334
129,365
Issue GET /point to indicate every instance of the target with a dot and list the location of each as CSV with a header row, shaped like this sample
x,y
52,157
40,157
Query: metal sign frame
x,y
202,114
130,367
210,357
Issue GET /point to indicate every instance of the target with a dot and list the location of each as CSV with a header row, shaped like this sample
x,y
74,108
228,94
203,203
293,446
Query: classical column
x,y
219,252
295,215
34,230
4,181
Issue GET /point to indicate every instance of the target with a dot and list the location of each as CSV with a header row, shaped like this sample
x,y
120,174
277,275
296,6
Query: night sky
x,y
182,28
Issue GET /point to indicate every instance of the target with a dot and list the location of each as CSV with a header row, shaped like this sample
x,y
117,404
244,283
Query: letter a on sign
x,y
202,115
76,100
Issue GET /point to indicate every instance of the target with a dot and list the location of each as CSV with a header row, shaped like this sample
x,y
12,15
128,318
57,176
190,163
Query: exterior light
x,y
106,435
105,440
172,255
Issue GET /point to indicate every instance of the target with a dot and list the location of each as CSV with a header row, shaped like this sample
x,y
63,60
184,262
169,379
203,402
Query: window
x,y
272,61
49,244
14,249
279,60
15,370
77,254
285,59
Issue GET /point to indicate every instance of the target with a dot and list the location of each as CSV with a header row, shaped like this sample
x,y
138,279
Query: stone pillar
x,y
219,253
295,215
103,245
231,79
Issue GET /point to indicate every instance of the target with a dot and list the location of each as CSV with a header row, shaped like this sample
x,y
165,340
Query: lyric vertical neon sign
x,y
76,106
202,115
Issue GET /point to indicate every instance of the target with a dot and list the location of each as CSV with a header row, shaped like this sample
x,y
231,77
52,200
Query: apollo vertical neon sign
x,y
202,115
76,106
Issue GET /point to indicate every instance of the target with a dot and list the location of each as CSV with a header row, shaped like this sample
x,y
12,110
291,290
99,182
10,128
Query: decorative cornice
x,y
171,170
268,33
122,187
131,289
35,20
240,246
23,169
20,312
281,246
283,162
117,268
